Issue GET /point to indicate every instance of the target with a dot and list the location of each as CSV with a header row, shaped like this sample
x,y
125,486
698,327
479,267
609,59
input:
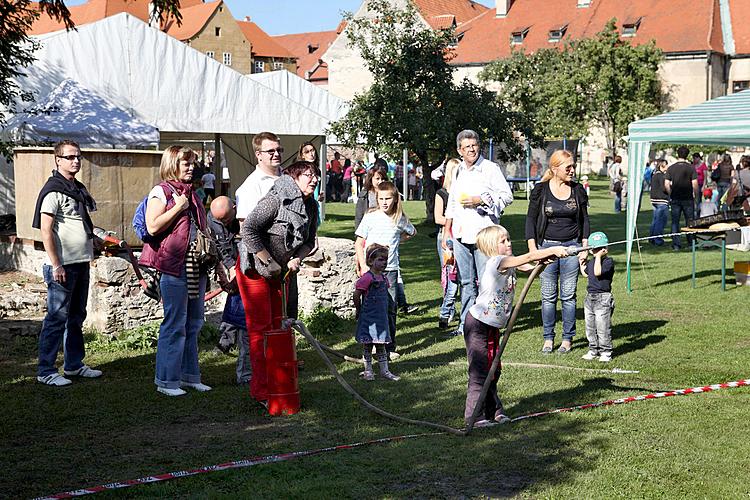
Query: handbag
x,y
716,174
206,252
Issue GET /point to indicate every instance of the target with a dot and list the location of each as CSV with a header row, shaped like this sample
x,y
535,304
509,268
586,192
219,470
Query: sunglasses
x,y
70,157
272,151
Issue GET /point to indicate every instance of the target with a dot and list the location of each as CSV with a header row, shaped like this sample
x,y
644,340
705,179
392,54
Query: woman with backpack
x,y
175,217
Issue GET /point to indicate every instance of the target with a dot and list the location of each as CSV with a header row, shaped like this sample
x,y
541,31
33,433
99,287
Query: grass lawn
x,y
118,427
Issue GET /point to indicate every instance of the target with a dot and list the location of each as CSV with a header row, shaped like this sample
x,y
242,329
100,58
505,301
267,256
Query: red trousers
x,y
262,301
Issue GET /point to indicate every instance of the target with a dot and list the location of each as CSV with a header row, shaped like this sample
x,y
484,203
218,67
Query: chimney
x,y
247,19
502,7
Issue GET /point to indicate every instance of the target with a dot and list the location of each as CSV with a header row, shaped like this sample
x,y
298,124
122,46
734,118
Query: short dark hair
x,y
683,152
299,167
264,136
380,167
66,142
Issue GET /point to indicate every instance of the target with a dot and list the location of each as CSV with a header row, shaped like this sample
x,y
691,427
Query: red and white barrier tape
x,y
299,454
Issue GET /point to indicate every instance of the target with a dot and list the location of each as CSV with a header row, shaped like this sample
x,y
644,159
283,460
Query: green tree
x,y
602,82
413,101
17,48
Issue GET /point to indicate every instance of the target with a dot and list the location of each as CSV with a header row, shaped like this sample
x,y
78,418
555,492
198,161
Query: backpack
x,y
139,218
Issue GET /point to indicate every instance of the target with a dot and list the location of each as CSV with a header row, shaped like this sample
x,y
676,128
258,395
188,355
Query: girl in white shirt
x,y
490,313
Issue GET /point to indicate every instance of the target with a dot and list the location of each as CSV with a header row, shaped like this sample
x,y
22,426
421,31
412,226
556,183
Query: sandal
x,y
547,349
564,350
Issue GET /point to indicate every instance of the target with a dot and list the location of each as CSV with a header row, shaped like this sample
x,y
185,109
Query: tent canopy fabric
x,y
164,82
721,121
73,112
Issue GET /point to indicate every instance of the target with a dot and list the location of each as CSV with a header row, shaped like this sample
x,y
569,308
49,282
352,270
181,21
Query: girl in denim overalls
x,y
371,303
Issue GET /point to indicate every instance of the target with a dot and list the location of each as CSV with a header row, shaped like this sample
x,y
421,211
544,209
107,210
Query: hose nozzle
x,y
574,250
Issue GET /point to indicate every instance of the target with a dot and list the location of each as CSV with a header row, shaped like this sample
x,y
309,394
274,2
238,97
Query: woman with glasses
x,y
307,152
277,235
558,215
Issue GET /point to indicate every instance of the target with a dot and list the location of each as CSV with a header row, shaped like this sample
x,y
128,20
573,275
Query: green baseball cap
x,y
598,240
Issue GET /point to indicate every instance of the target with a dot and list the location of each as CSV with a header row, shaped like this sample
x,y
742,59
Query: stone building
x,y
308,49
266,53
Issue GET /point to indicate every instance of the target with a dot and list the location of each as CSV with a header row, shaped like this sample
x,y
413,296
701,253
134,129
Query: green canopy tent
x,y
723,121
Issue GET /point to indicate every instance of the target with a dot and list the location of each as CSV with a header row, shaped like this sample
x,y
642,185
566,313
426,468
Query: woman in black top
x,y
558,215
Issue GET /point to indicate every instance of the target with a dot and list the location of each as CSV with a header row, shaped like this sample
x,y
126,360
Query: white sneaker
x,y
198,387
85,371
484,423
605,357
171,392
589,356
390,376
54,379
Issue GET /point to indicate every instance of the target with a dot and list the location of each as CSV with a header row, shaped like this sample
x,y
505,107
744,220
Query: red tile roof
x,y
262,44
91,11
487,37
194,18
308,48
463,10
740,13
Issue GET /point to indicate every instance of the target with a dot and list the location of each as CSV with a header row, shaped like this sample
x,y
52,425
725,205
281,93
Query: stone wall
x,y
116,301
327,278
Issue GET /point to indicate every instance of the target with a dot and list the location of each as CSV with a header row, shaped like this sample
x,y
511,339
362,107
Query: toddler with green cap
x,y
599,304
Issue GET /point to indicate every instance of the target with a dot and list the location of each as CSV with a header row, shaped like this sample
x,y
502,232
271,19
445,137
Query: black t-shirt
x,y
562,218
681,174
443,193
602,283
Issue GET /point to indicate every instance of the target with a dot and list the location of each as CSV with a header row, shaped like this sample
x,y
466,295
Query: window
x,y
278,65
584,3
227,58
259,67
556,34
517,35
210,54
217,31
630,27
739,86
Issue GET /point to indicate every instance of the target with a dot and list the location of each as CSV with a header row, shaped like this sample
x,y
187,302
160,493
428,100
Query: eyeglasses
x,y
307,151
310,175
568,167
70,157
270,152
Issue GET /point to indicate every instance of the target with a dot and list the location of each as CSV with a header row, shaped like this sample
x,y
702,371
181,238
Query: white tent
x,y
73,112
164,82
723,121
173,87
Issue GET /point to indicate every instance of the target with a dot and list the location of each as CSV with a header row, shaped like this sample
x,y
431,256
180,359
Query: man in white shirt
x,y
477,199
269,153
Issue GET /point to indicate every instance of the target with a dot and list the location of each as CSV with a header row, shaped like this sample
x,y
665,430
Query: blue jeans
x,y
598,309
448,307
565,271
63,324
723,187
471,262
658,222
618,202
680,207
177,348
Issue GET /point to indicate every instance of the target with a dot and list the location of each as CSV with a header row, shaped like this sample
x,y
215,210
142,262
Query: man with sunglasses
x,y
270,154
62,215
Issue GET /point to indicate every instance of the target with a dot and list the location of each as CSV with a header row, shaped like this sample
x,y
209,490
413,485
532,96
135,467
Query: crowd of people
x,y
691,189
262,237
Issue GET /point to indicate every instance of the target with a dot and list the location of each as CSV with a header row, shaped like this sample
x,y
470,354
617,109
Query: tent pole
x,y
323,177
216,165
405,179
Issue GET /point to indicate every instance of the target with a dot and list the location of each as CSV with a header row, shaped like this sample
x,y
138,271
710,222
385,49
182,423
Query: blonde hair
x,y
451,170
558,158
373,251
169,170
396,210
488,239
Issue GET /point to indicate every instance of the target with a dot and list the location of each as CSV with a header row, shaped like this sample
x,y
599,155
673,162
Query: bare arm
x,y
359,248
447,233
668,186
694,182
536,255
158,218
598,261
438,212
48,239
357,302
532,244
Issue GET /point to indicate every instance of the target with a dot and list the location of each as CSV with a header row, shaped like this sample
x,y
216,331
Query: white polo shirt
x,y
252,190
483,179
